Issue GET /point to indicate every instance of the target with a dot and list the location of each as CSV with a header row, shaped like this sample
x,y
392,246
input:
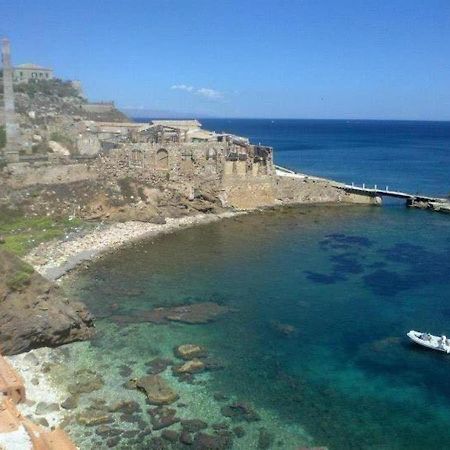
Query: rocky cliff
x,y
34,312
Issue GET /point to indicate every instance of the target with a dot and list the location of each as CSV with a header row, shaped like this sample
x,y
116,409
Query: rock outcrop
x,y
190,351
157,390
34,312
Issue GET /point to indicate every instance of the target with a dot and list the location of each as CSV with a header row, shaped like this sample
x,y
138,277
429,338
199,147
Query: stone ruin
x,y
61,139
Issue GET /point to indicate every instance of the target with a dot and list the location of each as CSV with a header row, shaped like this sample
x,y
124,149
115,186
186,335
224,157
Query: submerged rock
x,y
34,312
190,351
125,406
283,329
220,397
203,441
161,422
186,438
157,390
190,367
193,425
163,417
45,408
239,432
90,419
70,402
196,313
239,412
158,365
86,381
169,435
265,439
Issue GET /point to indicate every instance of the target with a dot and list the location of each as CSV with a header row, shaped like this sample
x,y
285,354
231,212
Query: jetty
x,y
412,200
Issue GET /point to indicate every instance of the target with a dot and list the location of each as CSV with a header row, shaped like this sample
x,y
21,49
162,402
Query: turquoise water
x,y
319,299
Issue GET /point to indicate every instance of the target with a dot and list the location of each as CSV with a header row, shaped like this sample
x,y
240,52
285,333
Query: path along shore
x,y
55,259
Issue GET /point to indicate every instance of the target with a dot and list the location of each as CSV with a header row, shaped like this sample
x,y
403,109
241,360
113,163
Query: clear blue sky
x,y
238,58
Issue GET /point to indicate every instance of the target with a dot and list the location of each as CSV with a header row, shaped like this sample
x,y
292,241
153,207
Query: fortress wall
x,y
249,192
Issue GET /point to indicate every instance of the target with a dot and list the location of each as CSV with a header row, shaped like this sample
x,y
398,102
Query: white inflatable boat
x,y
440,343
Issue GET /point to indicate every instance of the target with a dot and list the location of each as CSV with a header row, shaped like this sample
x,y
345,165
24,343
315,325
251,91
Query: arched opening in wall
x,y
162,159
137,158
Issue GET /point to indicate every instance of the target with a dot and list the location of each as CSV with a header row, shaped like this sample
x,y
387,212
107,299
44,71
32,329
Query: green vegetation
x,y
62,139
48,87
20,234
2,136
20,278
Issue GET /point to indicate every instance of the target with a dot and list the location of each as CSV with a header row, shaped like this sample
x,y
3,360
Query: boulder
x,y
186,438
239,412
58,148
193,366
89,419
169,435
125,406
190,351
193,425
158,365
70,402
86,381
35,312
204,441
157,390
43,408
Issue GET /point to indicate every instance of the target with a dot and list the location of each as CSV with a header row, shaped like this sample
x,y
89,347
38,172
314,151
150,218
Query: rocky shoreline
x,y
55,259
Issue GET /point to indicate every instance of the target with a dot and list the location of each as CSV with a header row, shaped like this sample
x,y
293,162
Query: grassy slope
x,y
23,233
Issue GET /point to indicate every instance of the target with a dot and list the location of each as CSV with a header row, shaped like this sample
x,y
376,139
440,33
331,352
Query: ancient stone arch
x,y
162,159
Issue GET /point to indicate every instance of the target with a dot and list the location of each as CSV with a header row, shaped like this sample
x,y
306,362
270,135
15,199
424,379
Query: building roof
x,y
180,124
32,67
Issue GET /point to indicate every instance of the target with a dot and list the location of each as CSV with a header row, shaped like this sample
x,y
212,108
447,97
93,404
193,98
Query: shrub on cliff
x,y
55,86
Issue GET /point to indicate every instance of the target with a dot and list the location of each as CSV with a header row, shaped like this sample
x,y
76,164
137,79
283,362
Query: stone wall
x,y
21,175
249,192
290,190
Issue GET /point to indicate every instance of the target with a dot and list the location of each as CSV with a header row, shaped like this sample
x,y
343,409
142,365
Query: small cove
x,y
348,281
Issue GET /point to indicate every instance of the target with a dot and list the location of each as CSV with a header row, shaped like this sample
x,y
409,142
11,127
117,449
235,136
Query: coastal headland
x,y
79,180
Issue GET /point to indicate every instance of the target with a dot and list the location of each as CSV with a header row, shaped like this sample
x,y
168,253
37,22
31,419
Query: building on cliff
x,y
26,72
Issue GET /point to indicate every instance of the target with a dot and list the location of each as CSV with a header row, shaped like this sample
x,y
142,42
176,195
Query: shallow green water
x,y
351,281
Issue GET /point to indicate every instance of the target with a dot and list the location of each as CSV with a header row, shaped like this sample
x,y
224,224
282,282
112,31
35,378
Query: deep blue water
x,y
321,297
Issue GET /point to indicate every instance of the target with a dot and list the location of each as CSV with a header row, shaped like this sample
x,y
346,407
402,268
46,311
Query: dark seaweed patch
x,y
406,253
384,282
377,265
347,263
323,278
360,241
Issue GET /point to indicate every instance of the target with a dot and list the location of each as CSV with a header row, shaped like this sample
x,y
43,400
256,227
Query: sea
x,y
312,351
